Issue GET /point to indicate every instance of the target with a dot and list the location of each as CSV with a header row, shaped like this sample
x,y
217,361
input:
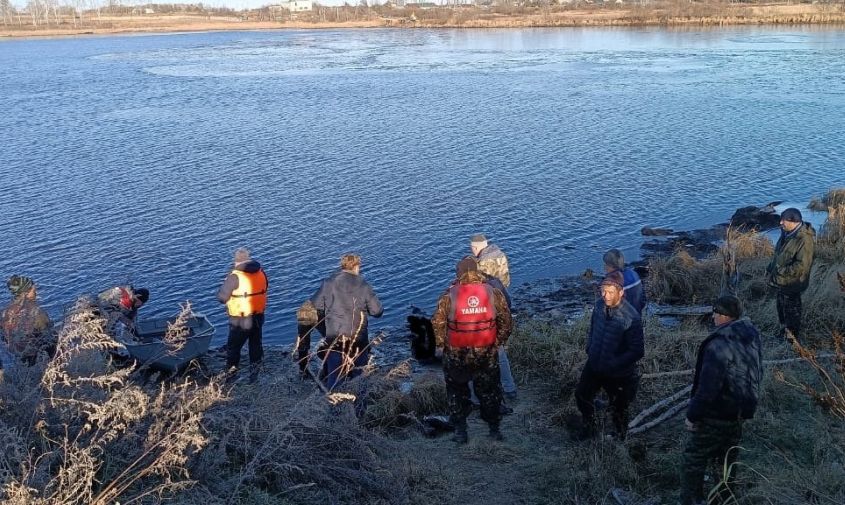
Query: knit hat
x,y
792,214
728,305
614,279
467,264
142,294
478,238
19,285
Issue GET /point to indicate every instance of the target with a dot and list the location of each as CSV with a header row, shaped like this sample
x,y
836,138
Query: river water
x,y
149,159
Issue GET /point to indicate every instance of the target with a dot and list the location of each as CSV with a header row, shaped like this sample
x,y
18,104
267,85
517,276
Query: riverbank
x,y
76,429
675,14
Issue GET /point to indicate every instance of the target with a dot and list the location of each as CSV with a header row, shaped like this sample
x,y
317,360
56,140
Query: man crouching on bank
x,y
470,323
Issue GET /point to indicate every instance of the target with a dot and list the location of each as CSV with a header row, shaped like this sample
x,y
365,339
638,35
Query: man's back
x,y
346,299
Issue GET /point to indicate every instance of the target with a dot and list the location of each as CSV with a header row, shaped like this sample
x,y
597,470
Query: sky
x,y
234,4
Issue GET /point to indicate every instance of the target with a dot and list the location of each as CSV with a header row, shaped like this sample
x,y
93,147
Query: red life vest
x,y
472,316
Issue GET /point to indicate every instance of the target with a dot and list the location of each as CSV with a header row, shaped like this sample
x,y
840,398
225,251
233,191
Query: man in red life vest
x,y
471,321
245,294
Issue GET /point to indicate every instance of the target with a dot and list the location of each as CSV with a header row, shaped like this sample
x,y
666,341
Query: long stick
x,y
666,415
766,362
657,406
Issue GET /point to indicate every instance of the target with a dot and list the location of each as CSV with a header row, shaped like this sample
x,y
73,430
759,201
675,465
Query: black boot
x,y
460,437
495,433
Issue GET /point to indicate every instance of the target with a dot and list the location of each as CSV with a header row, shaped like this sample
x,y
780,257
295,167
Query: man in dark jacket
x,y
245,294
470,322
614,346
614,261
789,270
346,299
725,391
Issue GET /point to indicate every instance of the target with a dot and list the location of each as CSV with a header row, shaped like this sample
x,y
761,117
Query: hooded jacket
x,y
615,342
230,285
346,299
728,372
790,267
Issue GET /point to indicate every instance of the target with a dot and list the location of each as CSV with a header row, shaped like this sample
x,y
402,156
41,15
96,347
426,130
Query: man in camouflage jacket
x,y
26,327
462,363
725,392
789,270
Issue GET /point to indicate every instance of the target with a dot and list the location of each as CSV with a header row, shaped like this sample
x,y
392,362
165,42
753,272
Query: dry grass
x,y
85,433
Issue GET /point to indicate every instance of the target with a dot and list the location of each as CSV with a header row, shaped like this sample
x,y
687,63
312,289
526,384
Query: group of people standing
x,y
472,323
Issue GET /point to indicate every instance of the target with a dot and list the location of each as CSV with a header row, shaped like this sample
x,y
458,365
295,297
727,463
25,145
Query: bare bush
x,y
92,435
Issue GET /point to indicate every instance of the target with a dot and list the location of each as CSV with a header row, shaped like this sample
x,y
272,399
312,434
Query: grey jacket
x,y
346,299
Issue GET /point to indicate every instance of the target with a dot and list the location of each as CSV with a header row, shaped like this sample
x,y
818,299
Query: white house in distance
x,y
296,5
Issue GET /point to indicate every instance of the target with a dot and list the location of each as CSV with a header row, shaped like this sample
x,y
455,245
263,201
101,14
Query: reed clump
x,y
85,432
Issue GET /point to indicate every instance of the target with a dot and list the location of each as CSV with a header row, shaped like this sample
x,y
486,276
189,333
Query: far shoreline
x,y
696,17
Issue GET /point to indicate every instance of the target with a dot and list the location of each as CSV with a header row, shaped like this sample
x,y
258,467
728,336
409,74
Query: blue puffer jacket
x,y
728,372
346,299
634,289
615,342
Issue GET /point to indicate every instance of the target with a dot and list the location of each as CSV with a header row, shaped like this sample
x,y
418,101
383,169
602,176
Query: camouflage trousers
x,y
712,441
481,366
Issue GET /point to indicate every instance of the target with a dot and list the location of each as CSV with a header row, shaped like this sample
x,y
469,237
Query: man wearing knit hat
x,y
470,322
614,346
26,327
725,392
789,270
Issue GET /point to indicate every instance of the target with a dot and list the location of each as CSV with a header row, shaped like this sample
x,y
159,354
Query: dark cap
x,y
467,264
19,285
728,305
792,215
142,294
614,279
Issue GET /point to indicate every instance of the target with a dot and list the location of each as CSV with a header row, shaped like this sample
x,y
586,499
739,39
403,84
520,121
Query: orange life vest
x,y
472,316
250,297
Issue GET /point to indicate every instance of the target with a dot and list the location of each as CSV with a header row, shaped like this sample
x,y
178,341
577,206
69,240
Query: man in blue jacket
x,y
614,346
346,299
614,261
725,392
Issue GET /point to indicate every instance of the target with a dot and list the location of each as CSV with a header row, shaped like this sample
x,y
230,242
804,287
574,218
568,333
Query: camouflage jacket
x,y
504,323
790,267
492,261
26,327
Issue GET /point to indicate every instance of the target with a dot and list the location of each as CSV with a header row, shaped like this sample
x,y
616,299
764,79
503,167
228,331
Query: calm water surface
x,y
151,158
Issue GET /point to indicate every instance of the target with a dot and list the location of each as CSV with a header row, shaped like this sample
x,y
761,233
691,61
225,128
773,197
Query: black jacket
x,y
230,285
728,372
346,299
615,342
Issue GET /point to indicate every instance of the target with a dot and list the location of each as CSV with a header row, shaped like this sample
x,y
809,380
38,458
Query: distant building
x,y
294,6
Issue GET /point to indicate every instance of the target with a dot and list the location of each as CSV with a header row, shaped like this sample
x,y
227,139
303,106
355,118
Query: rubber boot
x,y
460,437
495,433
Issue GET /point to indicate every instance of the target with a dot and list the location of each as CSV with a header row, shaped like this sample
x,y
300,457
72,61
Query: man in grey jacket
x,y
346,299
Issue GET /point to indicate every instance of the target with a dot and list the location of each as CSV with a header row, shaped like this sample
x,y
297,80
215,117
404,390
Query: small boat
x,y
149,348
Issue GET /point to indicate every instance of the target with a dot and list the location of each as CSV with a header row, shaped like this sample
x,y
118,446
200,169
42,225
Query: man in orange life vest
x,y
471,321
245,294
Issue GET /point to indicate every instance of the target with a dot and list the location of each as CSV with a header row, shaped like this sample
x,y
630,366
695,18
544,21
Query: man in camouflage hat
x,y
471,321
725,392
789,270
26,327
